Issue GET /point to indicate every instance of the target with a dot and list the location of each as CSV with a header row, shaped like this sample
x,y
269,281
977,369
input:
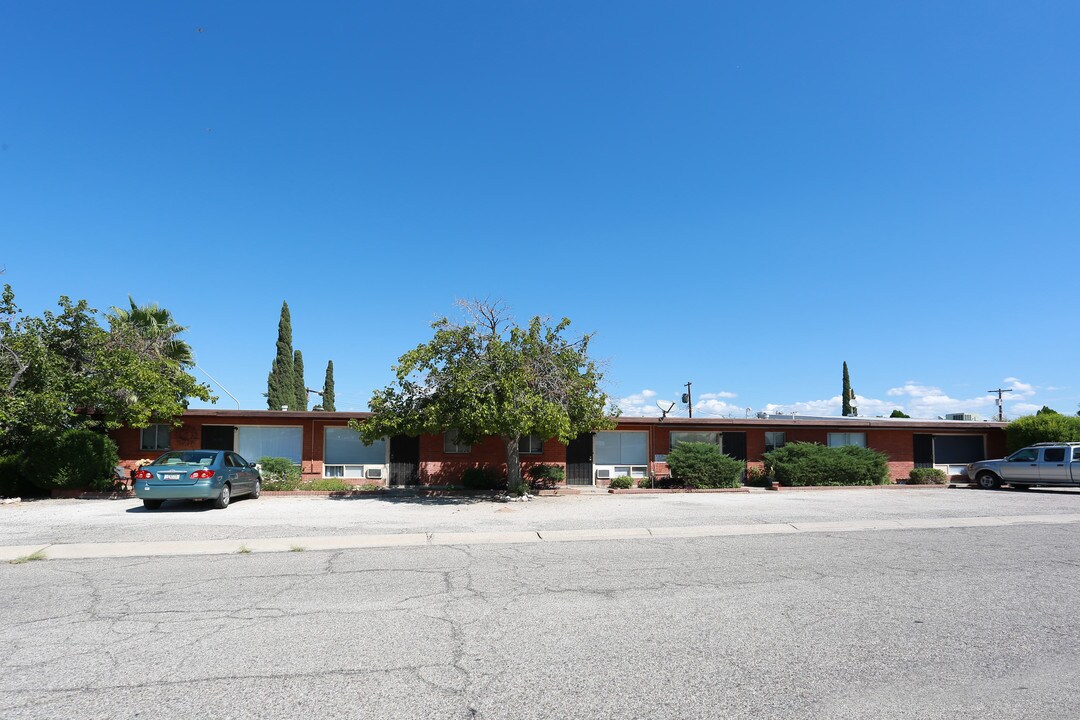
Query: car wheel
x,y
258,489
151,504
1020,487
988,481
222,500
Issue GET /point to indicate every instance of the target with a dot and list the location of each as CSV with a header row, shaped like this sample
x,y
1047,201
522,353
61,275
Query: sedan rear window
x,y
186,457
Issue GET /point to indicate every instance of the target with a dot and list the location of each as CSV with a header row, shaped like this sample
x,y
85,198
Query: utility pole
x,y
688,399
1001,408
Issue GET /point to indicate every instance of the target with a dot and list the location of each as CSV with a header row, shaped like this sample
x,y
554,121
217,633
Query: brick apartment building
x,y
324,446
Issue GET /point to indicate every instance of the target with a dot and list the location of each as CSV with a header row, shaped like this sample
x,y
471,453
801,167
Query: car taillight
x,y
201,475
143,475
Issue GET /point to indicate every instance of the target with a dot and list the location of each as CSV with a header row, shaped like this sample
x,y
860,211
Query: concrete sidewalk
x,y
72,551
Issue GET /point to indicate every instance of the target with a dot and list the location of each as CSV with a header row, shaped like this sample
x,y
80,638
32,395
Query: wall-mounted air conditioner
x,y
603,474
373,473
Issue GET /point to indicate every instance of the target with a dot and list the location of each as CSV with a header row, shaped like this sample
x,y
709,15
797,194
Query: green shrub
x,y
927,476
544,475
702,465
279,473
326,485
623,482
798,464
477,478
1047,427
12,481
76,458
756,476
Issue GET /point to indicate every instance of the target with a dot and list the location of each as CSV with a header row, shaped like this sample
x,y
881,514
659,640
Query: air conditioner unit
x,y
373,473
603,474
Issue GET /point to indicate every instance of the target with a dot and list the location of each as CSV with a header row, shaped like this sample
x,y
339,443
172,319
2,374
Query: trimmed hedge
x,y
1042,428
546,476
623,482
702,465
927,476
798,464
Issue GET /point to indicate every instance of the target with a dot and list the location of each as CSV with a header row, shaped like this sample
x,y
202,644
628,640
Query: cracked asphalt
x,y
957,622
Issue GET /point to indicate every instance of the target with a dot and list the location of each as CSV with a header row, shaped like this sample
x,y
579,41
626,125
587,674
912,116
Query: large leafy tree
x,y
63,370
328,398
487,376
281,383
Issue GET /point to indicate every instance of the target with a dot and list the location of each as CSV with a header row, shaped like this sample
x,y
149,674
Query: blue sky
x,y
742,195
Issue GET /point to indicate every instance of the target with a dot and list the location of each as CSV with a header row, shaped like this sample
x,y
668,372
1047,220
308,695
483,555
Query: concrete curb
x,y
670,491
894,486
233,546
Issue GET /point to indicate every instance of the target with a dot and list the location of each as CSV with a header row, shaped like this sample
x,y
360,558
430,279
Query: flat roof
x,y
794,421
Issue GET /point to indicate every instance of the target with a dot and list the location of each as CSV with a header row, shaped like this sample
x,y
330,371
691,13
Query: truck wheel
x,y
988,481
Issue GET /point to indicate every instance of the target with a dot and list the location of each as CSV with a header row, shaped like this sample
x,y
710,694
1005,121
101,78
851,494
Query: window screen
x,y
958,449
841,439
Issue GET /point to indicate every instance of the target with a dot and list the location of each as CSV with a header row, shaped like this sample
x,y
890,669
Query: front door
x,y
218,437
923,450
579,458
1022,466
404,460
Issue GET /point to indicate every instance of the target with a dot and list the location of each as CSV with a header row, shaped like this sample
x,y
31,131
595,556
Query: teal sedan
x,y
217,475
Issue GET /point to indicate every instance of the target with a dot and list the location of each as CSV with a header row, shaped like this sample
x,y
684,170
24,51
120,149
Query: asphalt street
x,y
953,622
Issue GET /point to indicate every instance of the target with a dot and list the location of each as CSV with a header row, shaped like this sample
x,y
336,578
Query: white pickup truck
x,y
1049,463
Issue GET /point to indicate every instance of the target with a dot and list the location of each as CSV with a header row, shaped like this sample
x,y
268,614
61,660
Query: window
x,y
530,444
345,454
451,443
343,446
713,438
1054,455
841,439
773,441
155,437
958,449
1026,455
269,441
621,448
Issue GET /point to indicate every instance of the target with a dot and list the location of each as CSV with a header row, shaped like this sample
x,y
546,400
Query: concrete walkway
x,y
72,551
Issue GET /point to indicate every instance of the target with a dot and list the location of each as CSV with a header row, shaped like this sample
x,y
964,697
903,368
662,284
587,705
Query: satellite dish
x,y
662,410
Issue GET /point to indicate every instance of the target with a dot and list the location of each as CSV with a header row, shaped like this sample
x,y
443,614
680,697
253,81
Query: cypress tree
x,y
847,394
328,388
280,385
298,380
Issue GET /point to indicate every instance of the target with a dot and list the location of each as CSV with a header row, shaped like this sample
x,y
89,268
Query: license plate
x,y
171,476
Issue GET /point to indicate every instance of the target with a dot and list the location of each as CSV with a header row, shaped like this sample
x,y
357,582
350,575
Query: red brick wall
x,y
442,468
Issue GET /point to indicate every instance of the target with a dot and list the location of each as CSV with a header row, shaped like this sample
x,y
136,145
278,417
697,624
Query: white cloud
x,y
920,401
712,404
1021,389
640,404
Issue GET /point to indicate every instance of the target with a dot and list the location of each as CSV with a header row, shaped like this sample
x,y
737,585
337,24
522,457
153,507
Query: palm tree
x,y
156,330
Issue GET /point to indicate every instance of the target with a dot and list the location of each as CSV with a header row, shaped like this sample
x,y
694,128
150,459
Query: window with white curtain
x,y
841,439
621,448
254,442
343,446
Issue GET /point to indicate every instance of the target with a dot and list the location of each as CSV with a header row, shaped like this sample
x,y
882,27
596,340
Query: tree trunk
x,y
514,483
